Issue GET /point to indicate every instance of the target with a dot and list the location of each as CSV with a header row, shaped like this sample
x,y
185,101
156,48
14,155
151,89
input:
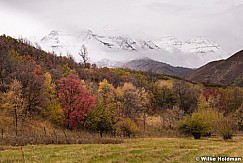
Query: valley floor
x,y
132,150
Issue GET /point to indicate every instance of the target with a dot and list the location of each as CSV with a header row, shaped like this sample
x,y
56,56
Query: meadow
x,y
131,150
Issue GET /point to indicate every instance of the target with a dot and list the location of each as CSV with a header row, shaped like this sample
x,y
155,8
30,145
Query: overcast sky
x,y
218,20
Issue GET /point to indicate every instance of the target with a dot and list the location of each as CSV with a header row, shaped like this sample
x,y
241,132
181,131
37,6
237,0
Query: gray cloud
x,y
219,20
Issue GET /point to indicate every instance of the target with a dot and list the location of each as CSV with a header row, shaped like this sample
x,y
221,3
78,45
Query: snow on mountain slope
x,y
200,45
169,43
115,48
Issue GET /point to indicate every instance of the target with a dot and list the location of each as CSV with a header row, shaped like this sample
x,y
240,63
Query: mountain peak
x,y
53,33
87,35
201,45
201,40
89,31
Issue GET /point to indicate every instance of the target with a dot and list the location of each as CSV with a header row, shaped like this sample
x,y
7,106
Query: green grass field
x,y
132,150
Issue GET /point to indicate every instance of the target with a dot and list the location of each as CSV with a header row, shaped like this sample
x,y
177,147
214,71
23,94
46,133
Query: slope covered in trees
x,y
78,96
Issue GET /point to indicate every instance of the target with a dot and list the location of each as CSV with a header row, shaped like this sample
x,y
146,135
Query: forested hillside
x,y
36,86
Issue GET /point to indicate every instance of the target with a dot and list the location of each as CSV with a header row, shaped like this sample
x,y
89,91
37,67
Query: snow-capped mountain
x,y
197,45
110,49
169,43
200,45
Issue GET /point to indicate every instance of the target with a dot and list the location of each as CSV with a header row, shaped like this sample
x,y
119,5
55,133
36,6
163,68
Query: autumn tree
x,y
133,103
51,107
232,99
207,100
75,99
163,101
187,96
143,99
14,102
30,74
106,114
171,116
130,102
9,62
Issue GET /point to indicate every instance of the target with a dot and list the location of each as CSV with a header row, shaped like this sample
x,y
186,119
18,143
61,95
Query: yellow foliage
x,y
106,92
49,86
52,108
166,83
126,127
128,86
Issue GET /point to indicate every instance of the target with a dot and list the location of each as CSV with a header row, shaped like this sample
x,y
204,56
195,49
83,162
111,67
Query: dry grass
x,y
37,131
132,150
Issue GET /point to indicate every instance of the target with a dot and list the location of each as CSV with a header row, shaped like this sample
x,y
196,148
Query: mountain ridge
x,y
150,65
192,53
226,72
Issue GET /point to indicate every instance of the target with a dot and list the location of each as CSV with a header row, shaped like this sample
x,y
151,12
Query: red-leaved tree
x,y
75,99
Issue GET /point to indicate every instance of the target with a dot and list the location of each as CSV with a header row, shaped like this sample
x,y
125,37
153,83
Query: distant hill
x,y
226,72
147,64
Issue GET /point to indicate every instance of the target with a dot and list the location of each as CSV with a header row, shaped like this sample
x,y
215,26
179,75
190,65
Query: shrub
x,y
200,123
225,127
194,125
126,127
